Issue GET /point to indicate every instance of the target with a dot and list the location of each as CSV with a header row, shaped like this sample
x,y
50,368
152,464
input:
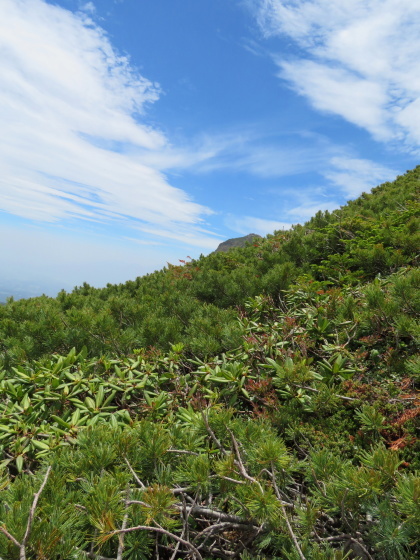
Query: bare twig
x,y
184,514
22,552
9,536
94,556
287,504
185,528
214,514
161,531
232,480
241,465
212,434
283,509
346,537
175,552
157,555
208,531
136,478
123,526
182,451
180,490
22,545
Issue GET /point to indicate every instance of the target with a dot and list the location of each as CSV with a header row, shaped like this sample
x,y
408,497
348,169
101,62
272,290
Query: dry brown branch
x,y
408,415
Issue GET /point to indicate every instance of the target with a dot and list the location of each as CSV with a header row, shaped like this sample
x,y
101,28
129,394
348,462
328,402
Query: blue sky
x,y
136,132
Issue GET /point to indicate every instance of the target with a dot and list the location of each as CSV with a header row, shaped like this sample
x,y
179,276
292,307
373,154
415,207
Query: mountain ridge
x,y
234,242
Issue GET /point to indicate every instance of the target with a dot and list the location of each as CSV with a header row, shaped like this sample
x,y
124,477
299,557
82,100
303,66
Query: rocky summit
x,y
236,242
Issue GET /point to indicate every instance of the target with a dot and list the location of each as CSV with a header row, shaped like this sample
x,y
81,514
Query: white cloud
x,y
271,160
354,176
344,176
89,8
72,114
246,150
248,224
358,59
198,238
336,90
310,208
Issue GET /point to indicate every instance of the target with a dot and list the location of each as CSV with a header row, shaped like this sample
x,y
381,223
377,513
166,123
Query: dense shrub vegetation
x,y
256,404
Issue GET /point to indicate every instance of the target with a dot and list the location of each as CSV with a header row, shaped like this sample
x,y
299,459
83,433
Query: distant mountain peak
x,y
236,242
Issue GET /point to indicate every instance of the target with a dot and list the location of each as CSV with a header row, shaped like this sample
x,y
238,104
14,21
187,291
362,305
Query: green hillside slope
x,y
195,303
258,404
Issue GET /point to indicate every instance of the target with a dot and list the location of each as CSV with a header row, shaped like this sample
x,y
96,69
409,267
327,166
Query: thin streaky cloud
x,y
355,58
62,84
355,176
246,224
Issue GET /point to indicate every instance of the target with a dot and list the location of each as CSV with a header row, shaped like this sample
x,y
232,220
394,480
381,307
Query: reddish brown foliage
x,y
408,415
401,442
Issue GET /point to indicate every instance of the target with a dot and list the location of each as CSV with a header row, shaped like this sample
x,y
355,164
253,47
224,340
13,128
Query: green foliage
x,y
194,302
261,403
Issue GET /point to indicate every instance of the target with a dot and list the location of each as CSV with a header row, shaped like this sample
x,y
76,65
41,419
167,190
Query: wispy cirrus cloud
x,y
250,224
73,115
344,175
355,58
249,149
354,175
